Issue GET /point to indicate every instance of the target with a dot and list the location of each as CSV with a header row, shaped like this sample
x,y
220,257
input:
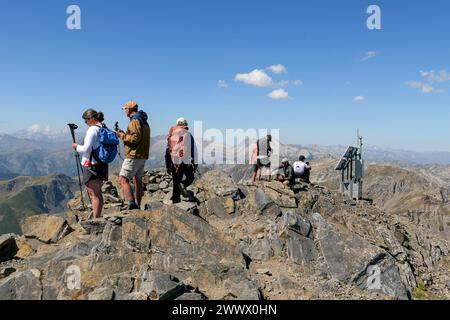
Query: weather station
x,y
351,167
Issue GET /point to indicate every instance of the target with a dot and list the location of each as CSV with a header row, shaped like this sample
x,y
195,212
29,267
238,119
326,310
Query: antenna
x,y
359,143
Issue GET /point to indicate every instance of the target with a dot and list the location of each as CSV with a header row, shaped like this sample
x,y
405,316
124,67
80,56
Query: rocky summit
x,y
225,241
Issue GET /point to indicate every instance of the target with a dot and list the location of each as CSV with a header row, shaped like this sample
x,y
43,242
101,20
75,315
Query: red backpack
x,y
180,145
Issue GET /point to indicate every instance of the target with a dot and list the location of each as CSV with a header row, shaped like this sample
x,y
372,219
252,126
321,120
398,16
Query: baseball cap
x,y
130,105
181,121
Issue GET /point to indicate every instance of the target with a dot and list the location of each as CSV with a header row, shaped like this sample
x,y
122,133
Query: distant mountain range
x,y
40,151
25,196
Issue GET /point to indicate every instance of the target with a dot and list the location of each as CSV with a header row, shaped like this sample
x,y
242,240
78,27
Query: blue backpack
x,y
107,151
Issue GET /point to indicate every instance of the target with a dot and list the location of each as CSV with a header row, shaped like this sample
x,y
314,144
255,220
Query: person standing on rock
x,y
94,171
137,148
181,155
256,171
264,151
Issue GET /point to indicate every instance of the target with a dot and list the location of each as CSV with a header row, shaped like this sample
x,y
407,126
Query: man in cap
x,y
286,173
181,155
137,147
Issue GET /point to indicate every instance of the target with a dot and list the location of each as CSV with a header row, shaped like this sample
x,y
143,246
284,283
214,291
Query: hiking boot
x,y
133,207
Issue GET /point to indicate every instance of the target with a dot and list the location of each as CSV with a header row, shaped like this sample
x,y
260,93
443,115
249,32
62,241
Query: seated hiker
x,y
264,151
286,173
302,169
180,159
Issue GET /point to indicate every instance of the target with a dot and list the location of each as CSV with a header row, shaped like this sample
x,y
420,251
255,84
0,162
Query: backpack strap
x,y
93,154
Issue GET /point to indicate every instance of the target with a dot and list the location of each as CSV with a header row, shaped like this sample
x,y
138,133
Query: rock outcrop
x,y
224,241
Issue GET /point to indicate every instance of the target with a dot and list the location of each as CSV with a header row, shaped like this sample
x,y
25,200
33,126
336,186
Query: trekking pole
x,y
116,128
73,127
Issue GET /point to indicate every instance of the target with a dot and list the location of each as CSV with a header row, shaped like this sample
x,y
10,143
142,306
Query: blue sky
x,y
169,56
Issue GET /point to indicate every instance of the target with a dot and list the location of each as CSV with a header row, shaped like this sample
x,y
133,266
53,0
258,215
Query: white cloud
x,y
423,87
297,82
358,99
277,68
433,76
221,84
256,78
370,55
278,94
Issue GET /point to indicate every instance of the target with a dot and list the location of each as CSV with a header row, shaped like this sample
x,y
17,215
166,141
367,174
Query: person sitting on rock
x,y
181,159
286,173
302,170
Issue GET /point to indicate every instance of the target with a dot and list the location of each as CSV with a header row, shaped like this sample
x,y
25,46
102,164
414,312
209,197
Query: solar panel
x,y
343,163
350,153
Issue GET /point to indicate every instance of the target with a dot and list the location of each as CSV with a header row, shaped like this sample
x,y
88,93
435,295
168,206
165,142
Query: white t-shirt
x,y
300,167
91,141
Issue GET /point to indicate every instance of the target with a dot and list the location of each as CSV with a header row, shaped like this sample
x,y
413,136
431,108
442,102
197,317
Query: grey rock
x,y
163,185
135,234
95,226
161,286
191,296
216,206
114,219
351,259
262,200
300,250
153,205
110,240
8,247
137,296
101,294
293,220
243,290
46,228
108,198
153,187
6,272
264,271
24,285
189,207
260,250
220,184
287,284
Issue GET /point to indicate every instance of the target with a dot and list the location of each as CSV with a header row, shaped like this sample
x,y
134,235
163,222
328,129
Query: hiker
x,y
94,171
181,155
256,171
264,151
302,170
137,148
286,173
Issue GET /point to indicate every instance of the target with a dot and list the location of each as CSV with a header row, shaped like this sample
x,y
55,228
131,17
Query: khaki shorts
x,y
132,168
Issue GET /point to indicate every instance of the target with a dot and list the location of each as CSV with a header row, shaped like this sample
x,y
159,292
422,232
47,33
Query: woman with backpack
x,y
94,170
